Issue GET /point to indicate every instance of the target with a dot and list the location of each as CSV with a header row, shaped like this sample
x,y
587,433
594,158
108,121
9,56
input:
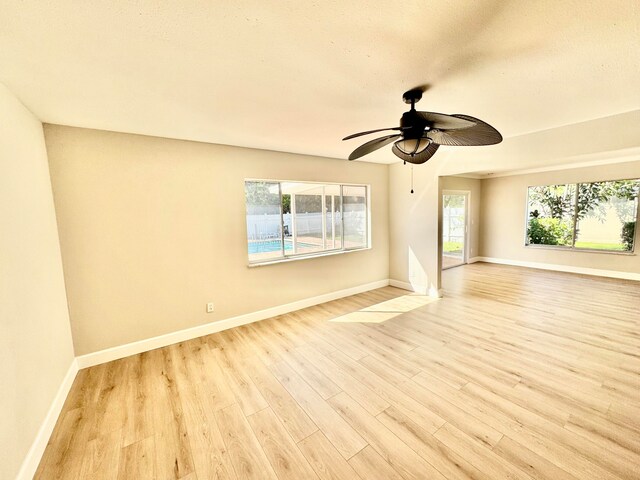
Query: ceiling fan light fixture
x,y
413,146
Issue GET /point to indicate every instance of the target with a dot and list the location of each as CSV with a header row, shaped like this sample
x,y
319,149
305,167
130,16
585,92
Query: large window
x,y
289,219
592,216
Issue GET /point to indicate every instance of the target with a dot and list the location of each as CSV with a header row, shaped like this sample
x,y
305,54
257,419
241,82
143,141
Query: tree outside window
x,y
594,216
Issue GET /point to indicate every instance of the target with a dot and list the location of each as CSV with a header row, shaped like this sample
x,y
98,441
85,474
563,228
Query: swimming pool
x,y
266,246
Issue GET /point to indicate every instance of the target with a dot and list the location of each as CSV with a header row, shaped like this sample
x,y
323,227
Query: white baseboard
x,y
563,268
474,259
140,346
402,285
34,455
432,292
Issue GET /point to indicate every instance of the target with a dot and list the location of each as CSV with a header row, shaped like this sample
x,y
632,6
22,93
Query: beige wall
x,y
152,229
35,339
474,187
414,224
504,214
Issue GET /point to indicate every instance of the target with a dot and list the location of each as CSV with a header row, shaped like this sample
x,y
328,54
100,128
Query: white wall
x,y
152,229
35,339
504,215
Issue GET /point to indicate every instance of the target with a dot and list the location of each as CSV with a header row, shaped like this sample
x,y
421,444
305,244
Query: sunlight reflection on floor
x,y
383,311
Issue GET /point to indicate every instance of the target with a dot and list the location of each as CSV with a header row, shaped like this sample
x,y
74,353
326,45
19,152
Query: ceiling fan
x,y
421,133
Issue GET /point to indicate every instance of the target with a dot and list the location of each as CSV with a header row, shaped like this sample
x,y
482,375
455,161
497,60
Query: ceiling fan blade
x,y
370,131
480,134
372,145
419,158
442,121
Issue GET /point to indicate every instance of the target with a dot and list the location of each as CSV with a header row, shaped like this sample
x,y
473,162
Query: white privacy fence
x,y
453,224
267,226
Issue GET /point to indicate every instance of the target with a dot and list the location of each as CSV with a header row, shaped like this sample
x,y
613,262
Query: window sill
x,y
582,250
304,257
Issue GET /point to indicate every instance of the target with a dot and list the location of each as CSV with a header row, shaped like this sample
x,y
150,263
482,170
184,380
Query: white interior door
x,y
455,208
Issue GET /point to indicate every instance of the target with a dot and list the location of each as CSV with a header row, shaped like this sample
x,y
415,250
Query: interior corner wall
x,y
36,350
414,221
503,218
474,187
152,229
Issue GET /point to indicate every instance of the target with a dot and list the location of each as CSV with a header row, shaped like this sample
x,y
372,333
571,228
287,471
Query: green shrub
x,y
452,247
628,230
549,231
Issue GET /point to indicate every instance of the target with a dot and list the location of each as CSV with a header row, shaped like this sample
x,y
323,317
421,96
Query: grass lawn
x,y
452,247
602,246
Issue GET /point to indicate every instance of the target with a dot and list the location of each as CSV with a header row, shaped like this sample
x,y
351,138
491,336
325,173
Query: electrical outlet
x,y
209,307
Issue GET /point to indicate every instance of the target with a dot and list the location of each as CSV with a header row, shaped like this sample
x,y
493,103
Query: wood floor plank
x,y
450,464
173,457
396,453
293,417
325,459
208,450
366,397
312,375
478,454
453,415
246,393
393,395
618,439
138,395
529,462
282,452
344,438
65,456
370,465
248,458
101,458
138,460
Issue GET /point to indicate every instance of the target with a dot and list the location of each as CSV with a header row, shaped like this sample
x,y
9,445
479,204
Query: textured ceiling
x,y
297,76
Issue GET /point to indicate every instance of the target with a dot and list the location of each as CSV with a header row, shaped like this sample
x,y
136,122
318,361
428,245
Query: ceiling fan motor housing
x,y
412,125
413,129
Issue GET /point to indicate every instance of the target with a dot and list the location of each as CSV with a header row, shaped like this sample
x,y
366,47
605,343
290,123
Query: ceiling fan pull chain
x,y
411,178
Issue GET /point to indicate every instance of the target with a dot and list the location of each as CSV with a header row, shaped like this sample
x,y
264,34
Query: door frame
x,y
467,224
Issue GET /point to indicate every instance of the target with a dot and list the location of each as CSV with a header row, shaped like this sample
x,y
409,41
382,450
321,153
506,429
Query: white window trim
x,y
323,253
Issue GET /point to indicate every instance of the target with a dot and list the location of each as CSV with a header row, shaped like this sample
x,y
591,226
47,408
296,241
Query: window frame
x,y
572,247
323,253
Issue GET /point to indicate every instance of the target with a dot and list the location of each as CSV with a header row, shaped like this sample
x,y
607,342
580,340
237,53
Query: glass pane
x,y
354,200
607,213
550,215
453,229
264,232
306,232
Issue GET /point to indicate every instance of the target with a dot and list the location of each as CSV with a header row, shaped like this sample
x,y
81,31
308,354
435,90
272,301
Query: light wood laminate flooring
x,y
514,374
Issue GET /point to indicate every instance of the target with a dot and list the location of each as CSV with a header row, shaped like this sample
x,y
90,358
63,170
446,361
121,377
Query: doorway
x,y
455,214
